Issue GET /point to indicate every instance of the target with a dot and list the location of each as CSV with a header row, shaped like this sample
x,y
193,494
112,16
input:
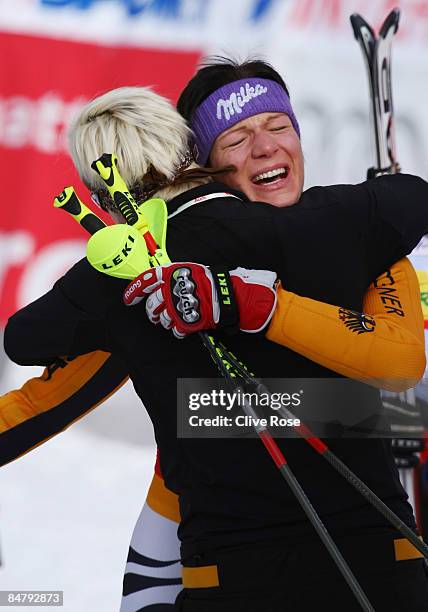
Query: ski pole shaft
x,y
326,539
322,449
279,459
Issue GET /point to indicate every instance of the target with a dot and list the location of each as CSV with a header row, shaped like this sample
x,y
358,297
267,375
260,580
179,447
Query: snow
x,y
68,508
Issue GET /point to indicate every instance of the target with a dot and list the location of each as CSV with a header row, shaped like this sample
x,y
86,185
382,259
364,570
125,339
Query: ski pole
x,y
322,449
281,463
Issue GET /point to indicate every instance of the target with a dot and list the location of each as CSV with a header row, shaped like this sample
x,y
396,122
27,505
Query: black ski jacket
x,y
329,247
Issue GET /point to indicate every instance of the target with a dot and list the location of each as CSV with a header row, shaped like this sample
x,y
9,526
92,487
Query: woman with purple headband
x,y
243,103
254,110
242,116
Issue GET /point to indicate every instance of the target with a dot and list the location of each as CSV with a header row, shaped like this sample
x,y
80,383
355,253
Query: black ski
x,y
377,56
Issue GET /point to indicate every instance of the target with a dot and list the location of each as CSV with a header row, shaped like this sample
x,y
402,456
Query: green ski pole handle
x,y
69,201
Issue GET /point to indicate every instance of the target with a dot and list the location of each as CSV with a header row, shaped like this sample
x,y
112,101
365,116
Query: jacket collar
x,y
203,190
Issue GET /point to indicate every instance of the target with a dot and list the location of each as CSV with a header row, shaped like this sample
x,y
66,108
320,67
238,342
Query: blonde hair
x,y
141,127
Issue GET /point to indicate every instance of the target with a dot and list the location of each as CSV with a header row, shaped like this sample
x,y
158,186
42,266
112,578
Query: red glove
x,y
189,297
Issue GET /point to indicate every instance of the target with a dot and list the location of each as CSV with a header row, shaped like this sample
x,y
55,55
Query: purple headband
x,y
233,103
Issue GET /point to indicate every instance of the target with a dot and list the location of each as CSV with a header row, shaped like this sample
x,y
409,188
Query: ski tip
x,y
358,22
391,22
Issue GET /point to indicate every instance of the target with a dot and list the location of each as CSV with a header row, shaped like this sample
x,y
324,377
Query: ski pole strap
x,y
229,315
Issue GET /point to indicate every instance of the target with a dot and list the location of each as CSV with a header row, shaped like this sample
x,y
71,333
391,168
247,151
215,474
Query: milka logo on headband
x,y
236,101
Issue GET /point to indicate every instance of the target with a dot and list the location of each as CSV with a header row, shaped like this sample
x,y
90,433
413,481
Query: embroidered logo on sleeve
x,y
357,321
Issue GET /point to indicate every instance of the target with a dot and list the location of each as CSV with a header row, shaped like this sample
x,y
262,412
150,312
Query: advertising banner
x,y
60,53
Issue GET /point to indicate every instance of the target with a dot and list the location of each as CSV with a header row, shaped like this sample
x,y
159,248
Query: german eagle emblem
x,y
357,321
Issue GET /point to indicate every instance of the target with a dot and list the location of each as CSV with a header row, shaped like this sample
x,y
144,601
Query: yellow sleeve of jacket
x,y
67,390
383,347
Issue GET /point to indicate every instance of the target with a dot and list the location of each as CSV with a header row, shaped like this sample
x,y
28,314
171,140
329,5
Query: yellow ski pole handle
x,y
106,167
117,250
69,201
